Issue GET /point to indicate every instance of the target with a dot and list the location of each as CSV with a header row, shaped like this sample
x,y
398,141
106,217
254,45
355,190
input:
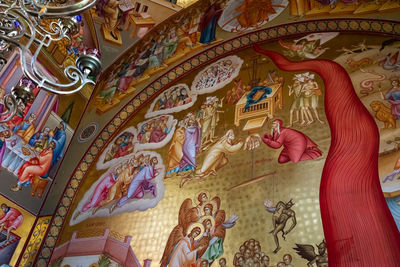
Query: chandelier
x,y
22,27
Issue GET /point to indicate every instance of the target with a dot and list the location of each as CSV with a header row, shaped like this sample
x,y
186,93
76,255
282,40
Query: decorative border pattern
x,y
82,139
35,241
390,28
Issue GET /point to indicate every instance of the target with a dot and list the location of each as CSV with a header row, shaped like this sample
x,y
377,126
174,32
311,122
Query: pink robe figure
x,y
100,192
296,145
12,219
123,151
183,254
157,135
127,78
39,166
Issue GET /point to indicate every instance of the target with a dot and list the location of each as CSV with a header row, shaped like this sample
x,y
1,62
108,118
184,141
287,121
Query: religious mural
x,y
247,15
218,177
34,141
219,134
221,166
135,183
175,99
15,225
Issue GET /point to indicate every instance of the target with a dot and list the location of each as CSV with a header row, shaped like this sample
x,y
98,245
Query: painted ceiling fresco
x,y
213,140
229,157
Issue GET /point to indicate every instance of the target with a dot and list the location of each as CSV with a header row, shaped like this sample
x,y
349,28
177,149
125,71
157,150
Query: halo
x,y
214,205
196,201
211,218
194,225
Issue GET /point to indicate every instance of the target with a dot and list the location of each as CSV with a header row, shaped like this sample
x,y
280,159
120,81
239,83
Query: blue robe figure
x,y
208,23
60,138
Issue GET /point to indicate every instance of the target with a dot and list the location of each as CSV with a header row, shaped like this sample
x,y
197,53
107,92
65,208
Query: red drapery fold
x,y
358,227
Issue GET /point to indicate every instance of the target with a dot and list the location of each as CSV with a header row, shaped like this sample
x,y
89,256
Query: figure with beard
x,y
296,145
191,145
216,157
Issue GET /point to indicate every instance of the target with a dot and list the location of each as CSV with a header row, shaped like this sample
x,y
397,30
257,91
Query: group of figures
x,y
215,74
190,136
46,146
195,134
242,15
123,145
198,238
309,46
250,254
197,27
131,179
175,97
154,130
306,93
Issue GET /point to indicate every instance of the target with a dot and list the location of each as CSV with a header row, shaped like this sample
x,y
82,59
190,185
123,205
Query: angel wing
x,y
252,142
217,200
269,205
230,222
187,214
176,234
306,251
393,59
220,217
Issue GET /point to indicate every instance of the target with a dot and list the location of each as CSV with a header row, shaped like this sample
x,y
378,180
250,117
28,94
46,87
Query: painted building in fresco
x,y
225,133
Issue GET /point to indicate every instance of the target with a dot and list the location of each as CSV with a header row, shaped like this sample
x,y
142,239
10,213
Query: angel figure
x,y
208,244
213,219
281,214
308,252
188,216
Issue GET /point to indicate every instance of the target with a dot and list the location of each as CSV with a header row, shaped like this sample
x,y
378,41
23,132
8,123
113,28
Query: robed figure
x,y
393,97
11,219
296,145
141,183
60,138
208,23
191,146
175,153
37,166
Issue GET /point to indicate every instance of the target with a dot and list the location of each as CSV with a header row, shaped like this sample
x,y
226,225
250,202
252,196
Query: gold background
x,y
150,229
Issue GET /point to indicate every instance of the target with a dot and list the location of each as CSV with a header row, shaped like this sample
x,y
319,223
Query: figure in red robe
x,y
10,220
38,166
296,145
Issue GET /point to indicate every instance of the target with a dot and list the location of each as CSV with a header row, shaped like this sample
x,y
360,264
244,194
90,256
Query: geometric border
x,y
391,28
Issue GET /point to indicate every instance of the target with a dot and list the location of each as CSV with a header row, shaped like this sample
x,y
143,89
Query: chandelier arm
x,y
11,105
17,20
60,11
44,83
